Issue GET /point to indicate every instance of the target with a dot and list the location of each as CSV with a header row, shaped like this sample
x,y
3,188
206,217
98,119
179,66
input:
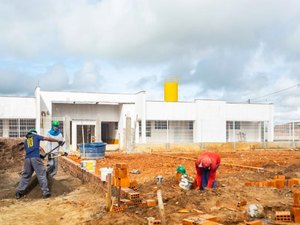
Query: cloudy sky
x,y
231,50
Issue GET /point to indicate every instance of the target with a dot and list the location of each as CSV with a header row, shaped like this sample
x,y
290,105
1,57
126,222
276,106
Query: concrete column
x,y
98,130
37,109
128,138
5,128
74,136
67,133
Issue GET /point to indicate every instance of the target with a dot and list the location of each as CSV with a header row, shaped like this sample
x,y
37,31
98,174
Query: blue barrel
x,y
95,150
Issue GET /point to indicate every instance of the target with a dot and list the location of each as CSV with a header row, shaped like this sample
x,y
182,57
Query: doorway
x,y
83,132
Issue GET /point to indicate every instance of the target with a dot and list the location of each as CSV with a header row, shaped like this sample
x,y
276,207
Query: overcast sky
x,y
231,50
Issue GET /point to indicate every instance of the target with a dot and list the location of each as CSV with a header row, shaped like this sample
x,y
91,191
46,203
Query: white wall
x,y
210,125
170,110
87,111
247,112
17,107
80,97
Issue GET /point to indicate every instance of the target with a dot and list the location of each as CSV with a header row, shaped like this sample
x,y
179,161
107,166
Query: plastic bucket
x,y
94,150
104,172
88,165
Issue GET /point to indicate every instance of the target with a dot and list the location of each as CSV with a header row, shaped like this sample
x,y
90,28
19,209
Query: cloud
x,y
10,80
55,79
233,51
88,78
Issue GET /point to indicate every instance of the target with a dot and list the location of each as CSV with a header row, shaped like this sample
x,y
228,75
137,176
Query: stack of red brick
x,y
278,182
296,205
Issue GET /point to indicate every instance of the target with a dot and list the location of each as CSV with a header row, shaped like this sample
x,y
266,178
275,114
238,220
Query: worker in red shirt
x,y
206,167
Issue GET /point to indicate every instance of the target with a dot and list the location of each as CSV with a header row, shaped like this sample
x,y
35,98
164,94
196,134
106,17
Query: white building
x,y
127,119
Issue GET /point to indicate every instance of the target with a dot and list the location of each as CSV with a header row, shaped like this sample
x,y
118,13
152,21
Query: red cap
x,y
206,161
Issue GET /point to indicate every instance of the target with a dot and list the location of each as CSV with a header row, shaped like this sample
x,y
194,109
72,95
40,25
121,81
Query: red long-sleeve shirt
x,y
215,161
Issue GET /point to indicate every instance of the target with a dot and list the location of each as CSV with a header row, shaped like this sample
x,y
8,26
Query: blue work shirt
x,y
32,146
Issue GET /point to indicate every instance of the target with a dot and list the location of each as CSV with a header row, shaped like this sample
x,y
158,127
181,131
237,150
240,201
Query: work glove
x,y
64,154
42,156
50,156
61,143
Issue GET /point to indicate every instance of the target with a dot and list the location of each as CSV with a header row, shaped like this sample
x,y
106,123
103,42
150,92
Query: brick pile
x,y
278,182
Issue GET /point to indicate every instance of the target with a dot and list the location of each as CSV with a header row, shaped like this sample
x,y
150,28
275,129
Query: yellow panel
x,y
171,91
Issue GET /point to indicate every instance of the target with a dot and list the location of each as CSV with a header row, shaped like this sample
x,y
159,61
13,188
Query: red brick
x,y
151,202
283,215
209,217
280,177
255,222
296,212
122,165
280,183
296,196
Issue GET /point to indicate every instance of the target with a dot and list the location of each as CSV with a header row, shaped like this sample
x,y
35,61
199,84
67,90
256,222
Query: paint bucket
x,y
88,165
104,172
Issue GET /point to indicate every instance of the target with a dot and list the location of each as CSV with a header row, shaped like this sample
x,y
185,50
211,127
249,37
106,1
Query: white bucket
x,y
104,171
88,165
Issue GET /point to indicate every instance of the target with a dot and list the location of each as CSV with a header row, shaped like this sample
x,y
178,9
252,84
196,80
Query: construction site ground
x,y
75,203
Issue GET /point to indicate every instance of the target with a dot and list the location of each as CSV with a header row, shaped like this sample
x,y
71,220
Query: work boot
x,y
19,195
48,195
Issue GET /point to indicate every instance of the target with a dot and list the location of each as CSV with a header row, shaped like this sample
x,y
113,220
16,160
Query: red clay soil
x,y
81,204
221,202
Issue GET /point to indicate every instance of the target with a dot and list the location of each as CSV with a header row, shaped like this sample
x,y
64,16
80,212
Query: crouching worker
x,y
206,167
33,163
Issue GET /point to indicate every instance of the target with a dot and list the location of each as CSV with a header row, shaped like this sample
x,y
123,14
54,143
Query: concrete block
x,y
283,216
134,195
120,208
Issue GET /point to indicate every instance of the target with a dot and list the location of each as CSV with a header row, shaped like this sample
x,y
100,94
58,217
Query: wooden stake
x,y
108,195
119,192
161,207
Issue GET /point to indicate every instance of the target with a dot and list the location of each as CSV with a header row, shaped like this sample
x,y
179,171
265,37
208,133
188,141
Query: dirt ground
x,y
75,203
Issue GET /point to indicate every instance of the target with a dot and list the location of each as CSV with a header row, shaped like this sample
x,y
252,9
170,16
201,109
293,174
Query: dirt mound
x,y
10,154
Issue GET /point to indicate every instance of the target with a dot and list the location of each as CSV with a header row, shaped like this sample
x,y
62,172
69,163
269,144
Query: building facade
x,y
125,120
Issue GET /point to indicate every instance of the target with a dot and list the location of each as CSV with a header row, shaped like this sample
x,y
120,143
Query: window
x,y
191,125
1,128
13,128
148,129
140,128
161,125
229,125
25,125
